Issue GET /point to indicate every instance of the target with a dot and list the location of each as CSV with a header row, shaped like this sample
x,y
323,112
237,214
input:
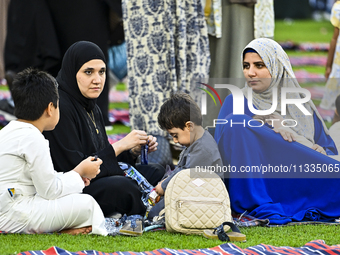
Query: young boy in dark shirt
x,y
181,117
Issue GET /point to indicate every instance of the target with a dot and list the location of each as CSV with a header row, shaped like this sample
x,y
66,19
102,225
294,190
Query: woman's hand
x,y
319,149
152,143
133,139
286,134
275,121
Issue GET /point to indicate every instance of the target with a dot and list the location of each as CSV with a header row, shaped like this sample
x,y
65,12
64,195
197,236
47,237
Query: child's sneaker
x,y
133,226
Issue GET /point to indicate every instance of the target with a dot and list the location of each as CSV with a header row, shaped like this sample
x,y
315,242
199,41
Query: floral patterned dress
x,y
167,49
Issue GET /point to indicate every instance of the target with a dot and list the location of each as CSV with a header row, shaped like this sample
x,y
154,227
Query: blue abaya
x,y
303,194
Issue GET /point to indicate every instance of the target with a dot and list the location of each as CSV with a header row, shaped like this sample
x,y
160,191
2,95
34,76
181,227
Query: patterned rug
x,y
119,115
4,94
114,96
119,96
316,92
306,77
115,115
289,45
308,61
313,247
116,137
327,115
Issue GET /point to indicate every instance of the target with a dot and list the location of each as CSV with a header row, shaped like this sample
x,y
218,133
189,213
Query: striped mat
x,y
313,247
114,96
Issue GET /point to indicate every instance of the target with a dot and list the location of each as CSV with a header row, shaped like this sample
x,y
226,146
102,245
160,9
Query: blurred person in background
x,y
40,32
30,42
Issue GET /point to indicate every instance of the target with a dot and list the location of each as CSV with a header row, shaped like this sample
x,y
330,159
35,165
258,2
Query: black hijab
x,y
75,57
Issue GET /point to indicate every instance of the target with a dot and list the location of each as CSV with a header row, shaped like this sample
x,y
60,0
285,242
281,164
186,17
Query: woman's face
x,y
91,78
256,73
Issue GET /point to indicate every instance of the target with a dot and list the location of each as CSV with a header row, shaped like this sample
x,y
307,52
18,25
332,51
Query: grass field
x,y
297,31
295,236
303,31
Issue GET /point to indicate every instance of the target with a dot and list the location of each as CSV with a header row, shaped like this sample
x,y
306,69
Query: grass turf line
x,y
294,236
299,31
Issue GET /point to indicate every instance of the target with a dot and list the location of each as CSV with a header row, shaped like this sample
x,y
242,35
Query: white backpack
x,y
195,204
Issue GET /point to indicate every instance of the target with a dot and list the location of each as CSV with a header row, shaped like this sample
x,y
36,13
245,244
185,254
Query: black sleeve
x,y
65,145
126,157
68,149
115,5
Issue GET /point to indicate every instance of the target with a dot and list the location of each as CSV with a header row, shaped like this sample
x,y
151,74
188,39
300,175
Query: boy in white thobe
x,y
33,197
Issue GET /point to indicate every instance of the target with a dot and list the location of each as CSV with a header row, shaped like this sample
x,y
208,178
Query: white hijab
x,y
278,64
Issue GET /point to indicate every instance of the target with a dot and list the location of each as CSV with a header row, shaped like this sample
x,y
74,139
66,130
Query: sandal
x,y
219,233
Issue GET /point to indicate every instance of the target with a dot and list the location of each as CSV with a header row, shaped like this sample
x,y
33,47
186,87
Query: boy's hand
x,y
159,189
152,143
89,168
134,140
86,181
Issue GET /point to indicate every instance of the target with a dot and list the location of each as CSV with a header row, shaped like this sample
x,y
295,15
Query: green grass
x,y
311,69
119,128
3,88
300,31
120,86
295,236
303,31
121,105
294,53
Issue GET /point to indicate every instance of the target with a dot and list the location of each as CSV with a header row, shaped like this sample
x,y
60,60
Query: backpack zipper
x,y
179,203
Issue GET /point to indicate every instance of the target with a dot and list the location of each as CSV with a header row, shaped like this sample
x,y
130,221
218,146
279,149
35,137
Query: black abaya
x,y
75,138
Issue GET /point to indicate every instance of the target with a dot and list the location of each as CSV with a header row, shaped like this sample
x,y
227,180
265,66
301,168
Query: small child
x,y
181,117
35,198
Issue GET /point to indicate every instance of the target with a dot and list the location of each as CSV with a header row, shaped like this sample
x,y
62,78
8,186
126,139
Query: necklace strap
x,y
93,120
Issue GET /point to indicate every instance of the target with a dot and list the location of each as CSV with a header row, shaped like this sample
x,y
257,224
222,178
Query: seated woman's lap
x,y
152,172
281,198
117,194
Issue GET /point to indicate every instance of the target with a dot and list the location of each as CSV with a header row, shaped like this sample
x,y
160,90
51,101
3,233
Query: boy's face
x,y
91,78
181,136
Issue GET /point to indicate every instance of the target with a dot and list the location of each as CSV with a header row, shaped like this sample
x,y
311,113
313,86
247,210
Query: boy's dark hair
x,y
32,91
178,110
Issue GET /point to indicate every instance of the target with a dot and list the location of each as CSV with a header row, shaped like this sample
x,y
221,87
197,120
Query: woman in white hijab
x,y
269,174
267,70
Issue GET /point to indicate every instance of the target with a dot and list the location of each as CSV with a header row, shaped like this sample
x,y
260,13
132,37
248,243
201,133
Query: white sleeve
x,y
48,183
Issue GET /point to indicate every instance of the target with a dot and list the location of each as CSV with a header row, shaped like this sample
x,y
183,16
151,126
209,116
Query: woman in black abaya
x,y
81,132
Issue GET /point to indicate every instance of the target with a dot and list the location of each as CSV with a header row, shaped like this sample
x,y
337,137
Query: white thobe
x,y
42,199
